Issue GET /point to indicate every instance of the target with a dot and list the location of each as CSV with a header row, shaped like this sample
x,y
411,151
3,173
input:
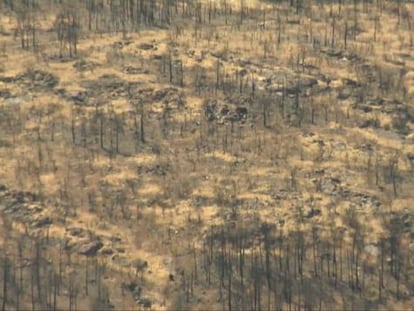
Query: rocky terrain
x,y
206,155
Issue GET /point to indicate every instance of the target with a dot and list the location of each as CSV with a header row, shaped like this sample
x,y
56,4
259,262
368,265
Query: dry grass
x,y
268,158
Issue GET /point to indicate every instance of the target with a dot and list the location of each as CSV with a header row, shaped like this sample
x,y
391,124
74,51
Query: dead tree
x,y
67,29
26,24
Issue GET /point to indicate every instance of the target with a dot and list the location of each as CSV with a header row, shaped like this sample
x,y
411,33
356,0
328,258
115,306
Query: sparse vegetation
x,y
206,154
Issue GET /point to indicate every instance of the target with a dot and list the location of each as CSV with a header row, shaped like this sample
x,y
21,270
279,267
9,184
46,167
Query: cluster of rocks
x,y
120,44
136,291
343,55
239,100
157,169
76,97
349,89
131,70
85,242
34,80
109,86
164,93
214,111
407,220
27,208
333,186
16,101
361,200
329,185
24,207
286,82
170,96
90,248
378,104
83,65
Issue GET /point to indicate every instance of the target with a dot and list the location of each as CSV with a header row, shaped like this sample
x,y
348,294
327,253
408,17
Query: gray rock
x,y
90,248
80,97
16,101
38,79
330,185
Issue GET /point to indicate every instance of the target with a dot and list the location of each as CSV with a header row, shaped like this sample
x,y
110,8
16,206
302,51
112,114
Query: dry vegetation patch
x,y
206,155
